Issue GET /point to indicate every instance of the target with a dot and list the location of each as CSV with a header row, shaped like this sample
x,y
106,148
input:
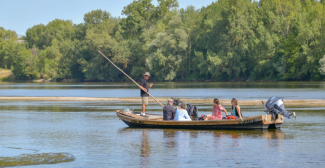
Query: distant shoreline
x,y
128,81
287,102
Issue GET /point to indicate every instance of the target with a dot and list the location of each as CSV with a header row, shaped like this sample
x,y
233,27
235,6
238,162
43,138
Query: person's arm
x,y
225,111
186,115
174,113
211,113
222,108
150,85
141,87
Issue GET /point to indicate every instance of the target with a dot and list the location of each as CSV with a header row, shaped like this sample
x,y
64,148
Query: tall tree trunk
x,y
189,60
185,64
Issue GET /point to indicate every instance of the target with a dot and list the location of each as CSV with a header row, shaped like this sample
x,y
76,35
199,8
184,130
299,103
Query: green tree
x,y
232,36
139,15
226,40
96,16
322,65
34,36
105,37
190,17
169,50
24,67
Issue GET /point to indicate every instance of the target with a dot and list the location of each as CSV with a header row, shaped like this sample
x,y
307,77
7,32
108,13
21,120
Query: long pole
x,y
130,78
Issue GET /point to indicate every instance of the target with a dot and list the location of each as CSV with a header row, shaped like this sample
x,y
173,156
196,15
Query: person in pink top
x,y
216,111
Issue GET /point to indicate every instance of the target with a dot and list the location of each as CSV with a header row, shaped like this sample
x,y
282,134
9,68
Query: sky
x,y
19,15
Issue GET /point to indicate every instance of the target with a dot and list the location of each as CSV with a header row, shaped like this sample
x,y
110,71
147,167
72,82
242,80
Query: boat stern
x,y
272,121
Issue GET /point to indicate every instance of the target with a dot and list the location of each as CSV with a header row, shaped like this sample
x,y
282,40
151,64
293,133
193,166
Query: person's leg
x,y
210,118
144,105
144,108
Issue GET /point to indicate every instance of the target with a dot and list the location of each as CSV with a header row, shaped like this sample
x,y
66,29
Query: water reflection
x,y
169,136
145,149
183,143
233,134
273,134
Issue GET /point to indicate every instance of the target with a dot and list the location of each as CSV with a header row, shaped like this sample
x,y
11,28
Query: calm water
x,y
97,138
223,90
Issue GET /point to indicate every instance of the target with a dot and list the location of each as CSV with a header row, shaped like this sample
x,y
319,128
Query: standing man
x,y
169,111
144,95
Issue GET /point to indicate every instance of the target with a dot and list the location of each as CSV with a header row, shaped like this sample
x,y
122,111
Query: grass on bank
x,y
36,159
6,75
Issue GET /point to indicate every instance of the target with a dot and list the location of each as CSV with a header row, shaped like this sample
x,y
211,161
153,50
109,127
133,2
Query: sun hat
x,y
146,74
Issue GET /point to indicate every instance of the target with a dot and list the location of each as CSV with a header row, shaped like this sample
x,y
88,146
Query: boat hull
x,y
155,121
252,126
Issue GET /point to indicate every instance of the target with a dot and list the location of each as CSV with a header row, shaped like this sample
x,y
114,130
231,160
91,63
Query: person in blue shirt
x,y
181,114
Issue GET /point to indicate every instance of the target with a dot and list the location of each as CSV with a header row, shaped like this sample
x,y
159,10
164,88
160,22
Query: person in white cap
x,y
144,94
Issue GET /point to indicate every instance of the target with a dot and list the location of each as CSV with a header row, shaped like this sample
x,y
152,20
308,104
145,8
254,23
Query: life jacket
x,y
231,117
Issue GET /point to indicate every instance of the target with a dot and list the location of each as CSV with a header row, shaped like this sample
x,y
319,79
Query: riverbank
x,y
6,75
36,159
287,102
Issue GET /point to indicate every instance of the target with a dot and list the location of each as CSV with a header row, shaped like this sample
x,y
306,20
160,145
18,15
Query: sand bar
x,y
288,102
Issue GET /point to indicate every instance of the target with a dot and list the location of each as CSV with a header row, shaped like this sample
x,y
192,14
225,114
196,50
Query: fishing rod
x,y
130,78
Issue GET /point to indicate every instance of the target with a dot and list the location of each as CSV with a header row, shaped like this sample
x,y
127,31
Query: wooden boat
x,y
156,121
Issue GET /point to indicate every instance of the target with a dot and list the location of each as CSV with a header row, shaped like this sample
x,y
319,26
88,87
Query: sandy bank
x,y
288,102
6,75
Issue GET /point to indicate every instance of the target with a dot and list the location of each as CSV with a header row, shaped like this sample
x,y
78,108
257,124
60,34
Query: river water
x,y
92,133
222,90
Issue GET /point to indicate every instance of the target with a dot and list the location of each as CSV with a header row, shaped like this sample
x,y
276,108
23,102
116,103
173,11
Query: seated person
x,y
169,111
235,108
216,111
181,114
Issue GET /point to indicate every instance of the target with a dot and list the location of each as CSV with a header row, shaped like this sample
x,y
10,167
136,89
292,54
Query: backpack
x,y
192,111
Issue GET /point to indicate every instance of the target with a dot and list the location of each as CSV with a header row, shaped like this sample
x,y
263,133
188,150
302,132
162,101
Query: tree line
x,y
229,40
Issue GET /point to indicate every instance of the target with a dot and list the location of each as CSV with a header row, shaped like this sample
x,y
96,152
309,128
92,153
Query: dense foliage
x,y
227,40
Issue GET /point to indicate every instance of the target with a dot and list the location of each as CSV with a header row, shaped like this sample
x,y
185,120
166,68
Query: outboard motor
x,y
275,106
176,101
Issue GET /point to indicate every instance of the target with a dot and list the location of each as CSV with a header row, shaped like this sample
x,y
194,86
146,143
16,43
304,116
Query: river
x,y
91,132
221,90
